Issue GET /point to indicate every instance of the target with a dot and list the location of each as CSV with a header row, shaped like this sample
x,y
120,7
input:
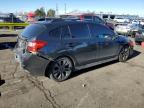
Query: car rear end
x,y
28,49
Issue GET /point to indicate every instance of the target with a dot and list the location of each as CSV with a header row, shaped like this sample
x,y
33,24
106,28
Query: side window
x,y
88,17
65,34
55,33
98,20
98,30
79,31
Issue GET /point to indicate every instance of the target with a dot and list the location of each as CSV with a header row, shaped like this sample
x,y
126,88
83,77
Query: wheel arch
x,y
72,59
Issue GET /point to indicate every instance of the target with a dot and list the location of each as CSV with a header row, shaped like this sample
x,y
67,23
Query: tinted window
x,y
42,19
55,33
98,30
79,30
65,34
32,31
88,17
98,20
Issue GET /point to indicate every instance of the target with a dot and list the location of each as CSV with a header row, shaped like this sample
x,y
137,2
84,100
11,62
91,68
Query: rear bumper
x,y
35,64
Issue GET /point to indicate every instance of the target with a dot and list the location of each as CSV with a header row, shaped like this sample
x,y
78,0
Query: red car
x,y
88,17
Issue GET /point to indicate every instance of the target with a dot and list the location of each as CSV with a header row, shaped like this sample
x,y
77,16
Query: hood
x,y
125,40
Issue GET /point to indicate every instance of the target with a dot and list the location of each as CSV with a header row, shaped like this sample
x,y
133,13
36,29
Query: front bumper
x,y
35,64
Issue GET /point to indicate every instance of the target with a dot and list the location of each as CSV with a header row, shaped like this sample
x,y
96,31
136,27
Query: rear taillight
x,y
35,46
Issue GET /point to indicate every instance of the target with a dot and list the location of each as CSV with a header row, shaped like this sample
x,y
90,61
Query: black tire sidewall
x,y
119,57
51,70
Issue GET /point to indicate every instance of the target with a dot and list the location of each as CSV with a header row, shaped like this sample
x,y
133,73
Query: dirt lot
x,y
111,85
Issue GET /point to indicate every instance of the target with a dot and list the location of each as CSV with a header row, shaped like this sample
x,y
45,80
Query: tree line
x,y
41,12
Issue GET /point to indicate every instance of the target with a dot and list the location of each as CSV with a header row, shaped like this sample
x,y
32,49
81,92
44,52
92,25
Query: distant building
x,y
112,16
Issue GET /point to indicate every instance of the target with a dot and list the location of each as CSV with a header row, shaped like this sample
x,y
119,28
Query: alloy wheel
x,y
124,54
61,69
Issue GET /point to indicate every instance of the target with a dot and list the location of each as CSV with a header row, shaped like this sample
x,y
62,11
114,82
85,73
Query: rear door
x,y
94,41
78,44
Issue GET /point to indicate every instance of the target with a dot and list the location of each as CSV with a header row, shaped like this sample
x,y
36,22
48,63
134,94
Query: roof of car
x,y
61,22
49,25
80,14
52,25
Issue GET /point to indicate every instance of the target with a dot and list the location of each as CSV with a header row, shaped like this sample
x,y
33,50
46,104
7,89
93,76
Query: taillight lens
x,y
36,45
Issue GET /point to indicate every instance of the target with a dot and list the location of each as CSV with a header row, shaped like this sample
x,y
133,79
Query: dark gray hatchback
x,y
56,49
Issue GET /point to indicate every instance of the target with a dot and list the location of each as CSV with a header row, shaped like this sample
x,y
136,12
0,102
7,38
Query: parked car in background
x,y
121,20
142,22
128,29
9,18
136,27
135,22
56,49
139,37
89,17
123,29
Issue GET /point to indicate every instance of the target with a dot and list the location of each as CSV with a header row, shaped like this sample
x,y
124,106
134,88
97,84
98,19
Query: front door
x,y
103,41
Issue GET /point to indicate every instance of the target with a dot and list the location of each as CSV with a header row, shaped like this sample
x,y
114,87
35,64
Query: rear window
x,y
32,31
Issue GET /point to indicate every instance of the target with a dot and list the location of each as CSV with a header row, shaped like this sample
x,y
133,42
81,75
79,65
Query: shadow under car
x,y
77,73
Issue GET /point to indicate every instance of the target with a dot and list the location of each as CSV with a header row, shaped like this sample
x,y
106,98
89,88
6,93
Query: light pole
x,y
65,8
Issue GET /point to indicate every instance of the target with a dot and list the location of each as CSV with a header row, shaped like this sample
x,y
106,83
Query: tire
x,y
124,54
61,69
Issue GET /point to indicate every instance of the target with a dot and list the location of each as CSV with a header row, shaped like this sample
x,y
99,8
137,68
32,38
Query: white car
x,y
142,22
121,20
135,22
123,28
127,28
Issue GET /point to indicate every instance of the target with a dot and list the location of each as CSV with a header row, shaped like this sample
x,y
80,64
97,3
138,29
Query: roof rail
x,y
56,20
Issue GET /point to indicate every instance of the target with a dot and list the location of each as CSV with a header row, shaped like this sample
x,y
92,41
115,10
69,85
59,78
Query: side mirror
x,y
114,37
108,37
